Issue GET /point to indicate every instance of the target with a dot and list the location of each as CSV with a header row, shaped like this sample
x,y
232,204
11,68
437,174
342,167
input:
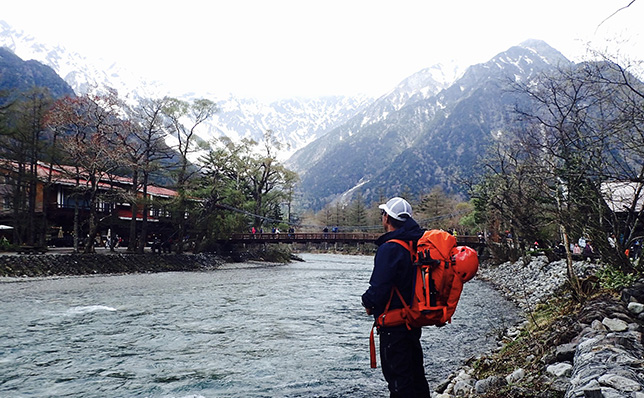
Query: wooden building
x,y
60,189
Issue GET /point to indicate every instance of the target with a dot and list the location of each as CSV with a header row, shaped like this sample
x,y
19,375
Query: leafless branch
x,y
613,14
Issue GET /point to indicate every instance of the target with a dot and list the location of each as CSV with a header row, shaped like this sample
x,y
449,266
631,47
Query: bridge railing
x,y
306,237
329,237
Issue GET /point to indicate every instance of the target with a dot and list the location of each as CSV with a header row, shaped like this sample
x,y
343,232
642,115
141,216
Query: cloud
x,y
283,48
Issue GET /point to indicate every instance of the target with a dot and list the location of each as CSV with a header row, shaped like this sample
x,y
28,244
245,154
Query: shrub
x,y
614,279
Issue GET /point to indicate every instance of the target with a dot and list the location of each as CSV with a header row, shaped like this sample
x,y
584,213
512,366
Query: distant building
x,y
62,197
620,196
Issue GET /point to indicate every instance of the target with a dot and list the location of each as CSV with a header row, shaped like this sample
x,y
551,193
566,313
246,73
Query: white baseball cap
x,y
397,207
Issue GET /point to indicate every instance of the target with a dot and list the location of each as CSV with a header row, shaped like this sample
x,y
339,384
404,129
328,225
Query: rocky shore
x,y
592,350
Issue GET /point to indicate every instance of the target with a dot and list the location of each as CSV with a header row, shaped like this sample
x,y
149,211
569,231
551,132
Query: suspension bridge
x,y
327,237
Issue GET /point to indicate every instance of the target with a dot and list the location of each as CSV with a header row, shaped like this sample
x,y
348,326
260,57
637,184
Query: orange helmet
x,y
466,262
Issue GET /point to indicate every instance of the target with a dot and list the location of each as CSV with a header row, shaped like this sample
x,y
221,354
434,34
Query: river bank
x,y
562,349
121,262
40,265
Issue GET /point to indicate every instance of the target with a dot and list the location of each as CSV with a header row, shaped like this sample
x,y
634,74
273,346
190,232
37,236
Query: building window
x,y
104,207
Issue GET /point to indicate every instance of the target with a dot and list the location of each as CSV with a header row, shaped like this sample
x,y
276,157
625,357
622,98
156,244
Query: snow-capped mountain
x,y
295,122
81,73
417,87
427,138
423,84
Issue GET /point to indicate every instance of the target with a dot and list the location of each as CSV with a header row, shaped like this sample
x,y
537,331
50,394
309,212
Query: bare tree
x,y
599,140
357,211
618,10
512,194
24,146
144,141
92,122
437,206
581,133
584,133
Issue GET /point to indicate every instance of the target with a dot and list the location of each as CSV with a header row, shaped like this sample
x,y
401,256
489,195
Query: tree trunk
x,y
31,205
182,227
572,276
17,207
144,221
93,229
76,226
131,246
93,217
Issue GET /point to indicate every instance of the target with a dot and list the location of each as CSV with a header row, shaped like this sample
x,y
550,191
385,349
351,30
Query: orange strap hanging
x,y
372,349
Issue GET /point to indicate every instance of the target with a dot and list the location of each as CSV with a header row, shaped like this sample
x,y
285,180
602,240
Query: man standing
x,y
401,354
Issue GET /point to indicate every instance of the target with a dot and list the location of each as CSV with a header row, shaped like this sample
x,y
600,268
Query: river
x,y
242,330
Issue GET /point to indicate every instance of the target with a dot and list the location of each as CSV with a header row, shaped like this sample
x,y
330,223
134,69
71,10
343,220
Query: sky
x,y
309,48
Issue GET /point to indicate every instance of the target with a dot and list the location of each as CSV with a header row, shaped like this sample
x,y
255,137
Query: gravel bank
x,y
597,352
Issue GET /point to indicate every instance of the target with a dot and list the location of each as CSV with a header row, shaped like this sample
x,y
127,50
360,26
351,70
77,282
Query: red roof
x,y
66,175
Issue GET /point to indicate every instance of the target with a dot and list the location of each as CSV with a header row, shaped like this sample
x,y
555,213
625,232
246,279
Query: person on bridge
x,y
401,354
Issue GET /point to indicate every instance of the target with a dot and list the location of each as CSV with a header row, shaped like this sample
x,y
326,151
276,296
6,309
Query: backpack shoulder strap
x,y
409,245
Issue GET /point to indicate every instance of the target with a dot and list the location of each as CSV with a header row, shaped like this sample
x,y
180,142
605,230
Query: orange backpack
x,y
437,286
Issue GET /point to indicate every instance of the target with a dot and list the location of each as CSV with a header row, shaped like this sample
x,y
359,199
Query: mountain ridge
x,y
430,141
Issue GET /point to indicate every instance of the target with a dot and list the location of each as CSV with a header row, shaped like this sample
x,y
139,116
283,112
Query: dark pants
x,y
401,357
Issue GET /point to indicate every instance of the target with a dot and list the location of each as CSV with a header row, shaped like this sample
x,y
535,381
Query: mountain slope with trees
x,y
20,76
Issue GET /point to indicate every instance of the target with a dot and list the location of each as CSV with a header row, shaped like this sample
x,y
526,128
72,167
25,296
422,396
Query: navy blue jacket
x,y
392,266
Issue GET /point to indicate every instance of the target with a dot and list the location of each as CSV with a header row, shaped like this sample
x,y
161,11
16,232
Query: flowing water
x,y
243,330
